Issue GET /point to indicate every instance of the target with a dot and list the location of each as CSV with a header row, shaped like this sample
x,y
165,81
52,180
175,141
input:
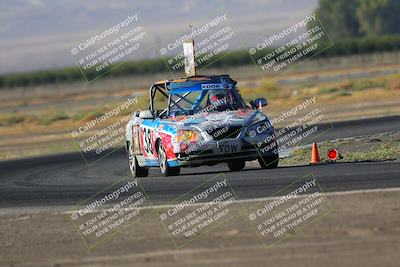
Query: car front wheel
x,y
269,162
165,169
236,165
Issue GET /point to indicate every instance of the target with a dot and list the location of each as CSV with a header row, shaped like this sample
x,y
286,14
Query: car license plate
x,y
228,147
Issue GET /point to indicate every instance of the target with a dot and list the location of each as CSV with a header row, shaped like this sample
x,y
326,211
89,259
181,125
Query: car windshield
x,y
212,100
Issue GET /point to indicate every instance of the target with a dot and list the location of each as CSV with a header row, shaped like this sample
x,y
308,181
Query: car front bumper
x,y
208,157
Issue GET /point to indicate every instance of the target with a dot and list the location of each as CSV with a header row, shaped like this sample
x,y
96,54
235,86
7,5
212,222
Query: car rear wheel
x,y
165,169
134,167
269,162
236,165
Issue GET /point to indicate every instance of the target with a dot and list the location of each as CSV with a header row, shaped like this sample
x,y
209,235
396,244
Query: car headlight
x,y
259,118
188,136
259,128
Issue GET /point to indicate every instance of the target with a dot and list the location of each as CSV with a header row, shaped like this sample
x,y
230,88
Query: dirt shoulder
x,y
38,125
361,230
379,147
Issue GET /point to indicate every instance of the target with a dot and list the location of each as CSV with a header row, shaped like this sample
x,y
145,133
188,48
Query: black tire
x,y
165,169
236,165
136,170
269,162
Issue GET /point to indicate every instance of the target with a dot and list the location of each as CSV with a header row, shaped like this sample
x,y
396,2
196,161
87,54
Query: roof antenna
x,y
189,56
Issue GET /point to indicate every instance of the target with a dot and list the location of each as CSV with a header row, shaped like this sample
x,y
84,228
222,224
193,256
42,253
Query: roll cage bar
x,y
163,88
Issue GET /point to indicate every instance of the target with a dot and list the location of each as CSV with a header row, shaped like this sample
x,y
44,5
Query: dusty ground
x,y
380,147
344,88
362,230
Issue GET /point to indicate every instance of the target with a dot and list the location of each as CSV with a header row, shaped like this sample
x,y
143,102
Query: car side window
x,y
160,102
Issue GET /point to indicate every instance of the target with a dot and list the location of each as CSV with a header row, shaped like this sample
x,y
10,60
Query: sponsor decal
x,y
208,86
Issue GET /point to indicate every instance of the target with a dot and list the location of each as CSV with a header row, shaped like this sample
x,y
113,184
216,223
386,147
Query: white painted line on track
x,y
67,209
250,200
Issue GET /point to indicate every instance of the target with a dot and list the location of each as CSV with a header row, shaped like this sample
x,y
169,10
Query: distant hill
x,y
38,34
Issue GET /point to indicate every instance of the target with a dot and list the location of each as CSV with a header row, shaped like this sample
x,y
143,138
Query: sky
x,y
39,34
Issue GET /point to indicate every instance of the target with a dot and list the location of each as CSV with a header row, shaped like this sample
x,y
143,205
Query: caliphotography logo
x,y
207,133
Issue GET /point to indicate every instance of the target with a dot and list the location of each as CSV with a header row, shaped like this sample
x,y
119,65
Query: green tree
x,y
354,18
377,17
338,16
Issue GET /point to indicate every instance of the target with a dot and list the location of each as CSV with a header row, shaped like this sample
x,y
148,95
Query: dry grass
x,y
53,114
381,147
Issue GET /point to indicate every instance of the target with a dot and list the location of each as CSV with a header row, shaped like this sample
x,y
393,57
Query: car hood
x,y
222,119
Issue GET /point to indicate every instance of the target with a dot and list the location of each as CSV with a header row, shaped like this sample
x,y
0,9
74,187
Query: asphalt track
x,y
65,180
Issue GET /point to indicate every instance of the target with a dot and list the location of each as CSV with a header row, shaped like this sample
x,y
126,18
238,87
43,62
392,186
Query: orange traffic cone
x,y
314,154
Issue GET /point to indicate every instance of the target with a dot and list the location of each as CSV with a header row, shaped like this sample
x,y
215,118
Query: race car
x,y
199,120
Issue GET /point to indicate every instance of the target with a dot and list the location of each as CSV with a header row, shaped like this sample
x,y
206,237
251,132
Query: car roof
x,y
187,82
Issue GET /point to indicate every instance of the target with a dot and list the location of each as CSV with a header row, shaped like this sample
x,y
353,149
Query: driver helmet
x,y
220,97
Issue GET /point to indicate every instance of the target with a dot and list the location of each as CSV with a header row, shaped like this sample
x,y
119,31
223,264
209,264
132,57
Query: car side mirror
x,y
260,101
136,113
146,115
